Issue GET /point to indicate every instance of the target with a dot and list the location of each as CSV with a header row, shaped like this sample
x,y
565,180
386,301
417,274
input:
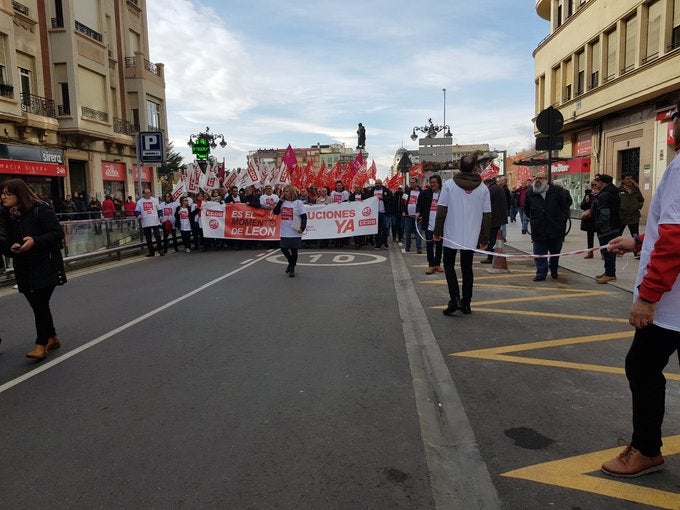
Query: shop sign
x,y
113,171
572,166
11,166
670,136
26,153
147,174
583,143
666,115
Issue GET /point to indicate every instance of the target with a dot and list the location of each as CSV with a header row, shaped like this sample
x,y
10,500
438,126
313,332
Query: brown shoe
x,y
38,352
604,279
429,270
589,255
631,463
439,269
53,343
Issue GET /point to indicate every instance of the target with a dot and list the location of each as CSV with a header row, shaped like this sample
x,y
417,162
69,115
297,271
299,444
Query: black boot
x,y
465,307
454,305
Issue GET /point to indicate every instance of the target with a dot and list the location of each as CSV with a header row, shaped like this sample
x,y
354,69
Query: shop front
x,y
147,177
43,169
113,175
575,177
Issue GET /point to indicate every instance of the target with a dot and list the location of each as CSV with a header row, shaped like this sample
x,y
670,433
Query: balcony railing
x,y
57,22
38,105
20,8
64,109
148,65
84,29
91,113
6,90
135,2
123,127
649,58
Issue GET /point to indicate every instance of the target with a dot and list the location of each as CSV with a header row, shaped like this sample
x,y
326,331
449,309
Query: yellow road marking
x,y
538,298
501,354
573,473
546,314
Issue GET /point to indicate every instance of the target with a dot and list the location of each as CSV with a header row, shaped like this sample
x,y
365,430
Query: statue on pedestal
x,y
361,137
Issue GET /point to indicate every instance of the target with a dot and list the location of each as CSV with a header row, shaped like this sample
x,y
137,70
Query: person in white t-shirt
x,y
268,199
463,222
293,224
339,194
655,314
184,220
168,207
148,211
409,215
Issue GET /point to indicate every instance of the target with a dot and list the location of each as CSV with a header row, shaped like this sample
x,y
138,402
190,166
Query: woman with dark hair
x,y
293,224
32,236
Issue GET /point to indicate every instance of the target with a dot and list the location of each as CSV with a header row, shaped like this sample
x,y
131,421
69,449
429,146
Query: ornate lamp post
x,y
202,143
431,130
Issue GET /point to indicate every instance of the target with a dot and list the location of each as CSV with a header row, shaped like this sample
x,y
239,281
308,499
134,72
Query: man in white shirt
x,y
147,211
268,199
339,194
463,222
409,215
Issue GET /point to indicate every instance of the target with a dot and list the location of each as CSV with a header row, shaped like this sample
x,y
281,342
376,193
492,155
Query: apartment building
x,y
318,154
76,85
612,69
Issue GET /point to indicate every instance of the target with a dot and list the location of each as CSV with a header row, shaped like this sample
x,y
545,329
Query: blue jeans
x,y
410,227
524,219
433,249
384,223
544,247
609,257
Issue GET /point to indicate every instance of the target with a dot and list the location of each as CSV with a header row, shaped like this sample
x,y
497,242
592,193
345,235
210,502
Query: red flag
x,y
417,171
289,157
321,176
373,170
490,171
220,172
395,181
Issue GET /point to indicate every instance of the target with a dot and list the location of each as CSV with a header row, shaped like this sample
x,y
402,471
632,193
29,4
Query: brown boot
x,y
429,270
53,343
631,463
38,352
589,255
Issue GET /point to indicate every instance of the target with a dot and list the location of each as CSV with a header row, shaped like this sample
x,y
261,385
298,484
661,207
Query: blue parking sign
x,y
150,146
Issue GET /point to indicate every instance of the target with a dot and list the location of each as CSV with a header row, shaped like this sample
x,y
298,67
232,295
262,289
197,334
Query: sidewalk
x,y
626,266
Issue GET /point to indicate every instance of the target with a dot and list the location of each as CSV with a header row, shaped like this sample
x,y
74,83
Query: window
x,y
612,44
559,14
631,26
153,114
25,80
676,25
581,74
65,107
567,77
570,8
595,57
654,12
556,83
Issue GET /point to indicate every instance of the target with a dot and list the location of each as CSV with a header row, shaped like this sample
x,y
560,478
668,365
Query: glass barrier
x,y
87,236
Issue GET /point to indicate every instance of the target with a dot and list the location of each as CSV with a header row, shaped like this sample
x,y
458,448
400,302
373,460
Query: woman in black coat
x,y
30,233
588,221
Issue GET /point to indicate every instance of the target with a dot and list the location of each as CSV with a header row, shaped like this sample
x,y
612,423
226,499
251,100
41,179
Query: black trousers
x,y
648,355
167,234
291,255
449,259
186,238
39,299
157,234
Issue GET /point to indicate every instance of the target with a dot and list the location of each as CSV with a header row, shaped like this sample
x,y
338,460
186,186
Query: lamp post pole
x,y
444,91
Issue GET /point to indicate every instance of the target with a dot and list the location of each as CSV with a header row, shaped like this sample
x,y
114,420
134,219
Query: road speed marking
x,y
330,258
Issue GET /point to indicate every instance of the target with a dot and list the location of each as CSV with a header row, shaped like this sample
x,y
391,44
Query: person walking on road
x,y
30,233
147,211
463,222
426,211
654,314
293,224
607,223
631,201
547,208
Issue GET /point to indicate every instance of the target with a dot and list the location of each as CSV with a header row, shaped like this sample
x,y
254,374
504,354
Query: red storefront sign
x,y
583,143
113,171
572,166
666,115
11,166
670,136
147,173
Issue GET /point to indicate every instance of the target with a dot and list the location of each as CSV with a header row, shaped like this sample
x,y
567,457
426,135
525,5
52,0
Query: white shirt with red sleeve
x,y
657,279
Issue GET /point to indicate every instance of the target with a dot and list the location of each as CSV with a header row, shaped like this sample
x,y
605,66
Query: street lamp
x,y
431,131
208,138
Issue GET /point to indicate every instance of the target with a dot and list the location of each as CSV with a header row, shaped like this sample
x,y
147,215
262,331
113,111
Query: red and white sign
x,y
147,173
113,171
240,221
670,136
572,166
583,143
12,166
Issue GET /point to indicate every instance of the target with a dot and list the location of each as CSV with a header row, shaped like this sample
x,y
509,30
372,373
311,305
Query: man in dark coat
x,y
499,214
547,208
607,223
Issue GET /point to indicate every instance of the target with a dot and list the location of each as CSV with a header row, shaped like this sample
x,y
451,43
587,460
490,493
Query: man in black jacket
x,y
426,212
547,208
499,214
607,223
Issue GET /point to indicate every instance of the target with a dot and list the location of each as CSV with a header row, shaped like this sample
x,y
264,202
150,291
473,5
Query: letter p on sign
x,y
151,146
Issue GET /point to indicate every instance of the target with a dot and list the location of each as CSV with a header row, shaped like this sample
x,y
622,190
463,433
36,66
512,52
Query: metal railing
x,y
38,105
57,22
123,126
6,90
131,62
84,29
91,113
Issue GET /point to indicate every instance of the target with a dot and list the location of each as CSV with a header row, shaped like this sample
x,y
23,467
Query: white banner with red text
x,y
240,221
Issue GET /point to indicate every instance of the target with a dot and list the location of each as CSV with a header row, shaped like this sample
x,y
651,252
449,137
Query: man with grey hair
x,y
547,208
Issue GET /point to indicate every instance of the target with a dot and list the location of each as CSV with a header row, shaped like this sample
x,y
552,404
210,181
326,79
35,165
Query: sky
x,y
268,73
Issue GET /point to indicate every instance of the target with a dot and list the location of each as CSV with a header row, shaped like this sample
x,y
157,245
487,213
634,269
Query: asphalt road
x,y
212,380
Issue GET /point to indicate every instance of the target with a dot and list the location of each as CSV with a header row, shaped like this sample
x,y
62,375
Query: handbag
x,y
587,214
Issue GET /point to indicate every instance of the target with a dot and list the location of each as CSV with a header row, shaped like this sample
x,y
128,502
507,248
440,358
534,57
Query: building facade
x,y
76,85
318,154
611,68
